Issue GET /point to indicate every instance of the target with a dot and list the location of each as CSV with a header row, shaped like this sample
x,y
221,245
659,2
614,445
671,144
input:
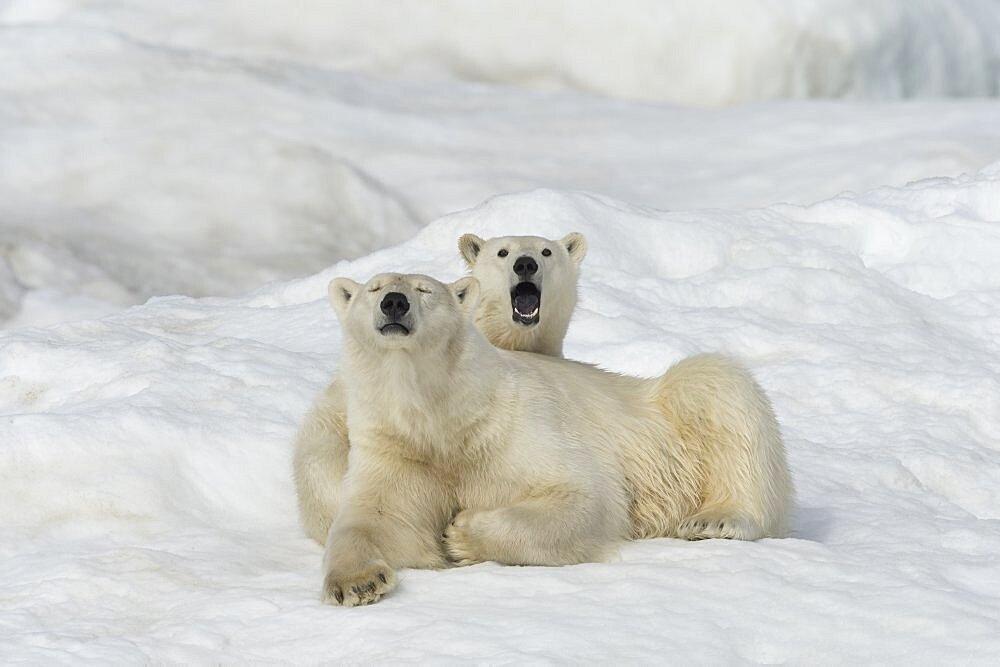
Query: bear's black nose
x,y
525,267
395,305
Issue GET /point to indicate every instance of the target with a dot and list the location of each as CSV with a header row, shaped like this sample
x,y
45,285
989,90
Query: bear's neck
x,y
493,319
420,394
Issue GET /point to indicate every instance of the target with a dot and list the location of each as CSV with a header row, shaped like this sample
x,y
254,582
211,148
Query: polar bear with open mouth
x,y
528,286
528,459
528,297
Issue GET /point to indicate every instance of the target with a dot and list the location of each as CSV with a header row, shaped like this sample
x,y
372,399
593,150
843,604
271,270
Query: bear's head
x,y
403,311
527,268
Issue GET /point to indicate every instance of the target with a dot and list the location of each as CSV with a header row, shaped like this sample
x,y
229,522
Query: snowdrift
x,y
149,513
208,148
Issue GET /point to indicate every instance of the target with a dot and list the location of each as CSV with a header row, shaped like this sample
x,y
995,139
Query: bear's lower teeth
x,y
526,300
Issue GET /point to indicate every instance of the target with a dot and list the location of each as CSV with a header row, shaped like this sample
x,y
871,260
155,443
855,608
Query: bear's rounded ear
x,y
342,290
470,245
466,290
576,246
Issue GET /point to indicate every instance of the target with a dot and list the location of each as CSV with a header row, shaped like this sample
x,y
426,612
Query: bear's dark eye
x,y
423,290
502,253
546,252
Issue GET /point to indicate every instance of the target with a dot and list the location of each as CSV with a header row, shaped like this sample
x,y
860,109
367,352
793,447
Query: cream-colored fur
x,y
319,460
321,448
492,263
526,459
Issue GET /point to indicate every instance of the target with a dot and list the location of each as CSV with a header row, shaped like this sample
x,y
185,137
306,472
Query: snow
x,y
150,149
149,511
712,52
179,181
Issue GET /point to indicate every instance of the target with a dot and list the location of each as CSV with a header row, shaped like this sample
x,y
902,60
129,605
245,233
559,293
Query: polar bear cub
x,y
529,286
527,459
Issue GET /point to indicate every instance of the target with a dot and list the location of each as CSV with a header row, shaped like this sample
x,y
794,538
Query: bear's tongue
x,y
526,305
526,300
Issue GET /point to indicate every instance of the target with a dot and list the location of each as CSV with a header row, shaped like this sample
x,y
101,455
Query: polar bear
x,y
528,459
529,287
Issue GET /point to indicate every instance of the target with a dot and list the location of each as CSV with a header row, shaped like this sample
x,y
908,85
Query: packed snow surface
x,y
149,513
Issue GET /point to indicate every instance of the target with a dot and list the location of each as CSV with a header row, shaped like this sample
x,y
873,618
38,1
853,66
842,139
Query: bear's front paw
x,y
363,585
459,541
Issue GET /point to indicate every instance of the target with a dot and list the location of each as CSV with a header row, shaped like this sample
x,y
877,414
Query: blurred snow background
x,y
811,185
207,148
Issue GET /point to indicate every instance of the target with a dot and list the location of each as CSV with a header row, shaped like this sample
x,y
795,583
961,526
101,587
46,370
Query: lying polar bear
x,y
527,459
529,294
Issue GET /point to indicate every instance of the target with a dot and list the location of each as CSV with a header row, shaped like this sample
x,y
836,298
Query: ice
x,y
149,512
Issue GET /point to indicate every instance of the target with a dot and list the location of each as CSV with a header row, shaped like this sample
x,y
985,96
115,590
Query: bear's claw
x,y
361,589
710,528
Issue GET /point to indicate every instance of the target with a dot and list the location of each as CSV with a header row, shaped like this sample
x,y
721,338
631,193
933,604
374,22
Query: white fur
x,y
321,448
556,278
521,458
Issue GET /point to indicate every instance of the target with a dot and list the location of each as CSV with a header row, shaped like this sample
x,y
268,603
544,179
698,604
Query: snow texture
x,y
149,512
711,52
848,251
208,148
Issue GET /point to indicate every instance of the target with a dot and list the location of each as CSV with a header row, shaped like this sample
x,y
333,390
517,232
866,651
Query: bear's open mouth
x,y
394,329
526,301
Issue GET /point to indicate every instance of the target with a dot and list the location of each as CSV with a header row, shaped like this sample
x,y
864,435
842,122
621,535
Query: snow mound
x,y
149,513
133,189
209,148
132,169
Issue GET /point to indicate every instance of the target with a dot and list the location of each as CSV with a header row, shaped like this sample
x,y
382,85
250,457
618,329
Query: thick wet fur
x,y
528,459
518,275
